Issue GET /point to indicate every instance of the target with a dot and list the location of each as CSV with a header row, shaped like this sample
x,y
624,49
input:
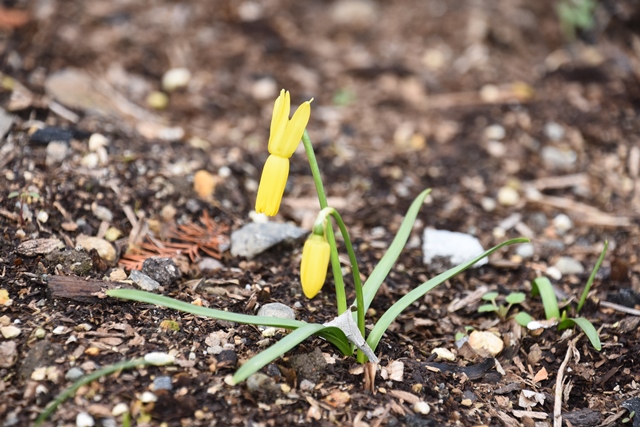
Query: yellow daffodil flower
x,y
285,135
313,267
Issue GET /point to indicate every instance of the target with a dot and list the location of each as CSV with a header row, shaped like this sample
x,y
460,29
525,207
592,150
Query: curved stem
x,y
341,297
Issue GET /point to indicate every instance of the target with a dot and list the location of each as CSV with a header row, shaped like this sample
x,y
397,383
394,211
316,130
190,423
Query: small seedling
x,y
542,286
575,15
502,310
25,198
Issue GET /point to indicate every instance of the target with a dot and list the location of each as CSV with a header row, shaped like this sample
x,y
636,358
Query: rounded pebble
x,y
553,131
148,397
42,217
508,196
562,223
568,265
525,250
485,343
120,409
176,78
157,100
84,420
495,132
162,383
422,407
74,374
444,354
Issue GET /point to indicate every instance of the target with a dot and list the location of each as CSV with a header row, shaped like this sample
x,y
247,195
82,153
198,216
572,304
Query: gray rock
x,y
102,213
450,248
525,250
209,264
276,309
568,265
306,385
253,238
162,270
538,222
77,261
143,281
556,158
74,374
263,386
162,383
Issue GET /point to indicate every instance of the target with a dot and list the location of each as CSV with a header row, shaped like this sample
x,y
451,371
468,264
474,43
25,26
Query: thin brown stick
x,y
557,404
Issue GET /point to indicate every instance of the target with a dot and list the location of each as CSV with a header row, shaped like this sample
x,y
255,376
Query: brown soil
x,y
405,97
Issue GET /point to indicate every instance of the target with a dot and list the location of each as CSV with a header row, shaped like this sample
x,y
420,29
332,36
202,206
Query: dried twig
x,y
557,404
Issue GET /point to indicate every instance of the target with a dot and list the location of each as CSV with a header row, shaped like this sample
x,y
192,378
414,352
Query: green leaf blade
x,y
390,315
485,308
543,286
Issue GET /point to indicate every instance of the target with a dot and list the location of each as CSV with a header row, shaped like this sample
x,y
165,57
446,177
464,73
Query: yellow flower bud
x,y
313,267
272,183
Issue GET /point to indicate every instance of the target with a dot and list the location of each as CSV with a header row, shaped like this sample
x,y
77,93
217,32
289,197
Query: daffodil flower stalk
x,y
315,260
341,296
284,138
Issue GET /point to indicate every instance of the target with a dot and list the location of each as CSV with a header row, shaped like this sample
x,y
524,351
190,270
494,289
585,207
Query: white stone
x,y
96,141
42,216
556,158
84,420
120,409
176,78
568,265
457,247
444,354
562,223
56,152
148,397
421,407
508,196
553,131
485,343
525,250
495,132
9,332
159,358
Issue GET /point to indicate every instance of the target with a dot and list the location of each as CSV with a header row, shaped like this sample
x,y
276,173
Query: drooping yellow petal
x,y
279,120
272,183
286,146
314,264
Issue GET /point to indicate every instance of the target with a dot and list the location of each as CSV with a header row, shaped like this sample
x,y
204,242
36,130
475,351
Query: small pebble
x,y
143,281
556,158
112,234
163,270
525,250
117,274
554,273
508,196
496,148
444,354
56,152
176,78
159,358
96,141
488,204
120,409
553,131
568,265
204,184
9,332
306,385
495,132
209,264
259,382
102,213
562,223
422,407
157,100
276,309
42,217
485,343
148,397
162,383
84,420
264,88
104,248
74,374
90,161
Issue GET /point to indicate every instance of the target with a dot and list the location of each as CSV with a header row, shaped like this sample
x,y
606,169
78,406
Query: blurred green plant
x,y
502,310
542,286
575,15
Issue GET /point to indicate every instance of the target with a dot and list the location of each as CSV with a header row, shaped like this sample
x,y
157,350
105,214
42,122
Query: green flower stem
x,y
341,296
354,269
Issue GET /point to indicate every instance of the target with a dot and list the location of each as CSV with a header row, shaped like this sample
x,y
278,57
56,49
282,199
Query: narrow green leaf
x,y
263,358
486,308
543,286
515,298
490,296
381,271
589,330
334,335
523,318
585,292
163,301
390,315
